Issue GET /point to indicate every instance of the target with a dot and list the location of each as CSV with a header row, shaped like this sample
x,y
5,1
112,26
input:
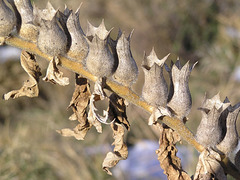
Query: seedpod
x,y
8,19
181,101
209,132
79,46
155,90
28,30
100,61
127,70
230,140
52,39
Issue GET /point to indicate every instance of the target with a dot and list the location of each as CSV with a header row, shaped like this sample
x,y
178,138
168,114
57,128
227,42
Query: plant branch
x,y
123,91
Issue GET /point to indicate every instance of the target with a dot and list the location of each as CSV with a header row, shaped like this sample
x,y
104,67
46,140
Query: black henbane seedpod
x,y
155,90
230,141
51,39
209,132
100,61
79,46
8,19
127,70
181,102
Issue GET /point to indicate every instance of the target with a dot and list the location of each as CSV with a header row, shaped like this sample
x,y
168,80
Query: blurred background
x,y
206,31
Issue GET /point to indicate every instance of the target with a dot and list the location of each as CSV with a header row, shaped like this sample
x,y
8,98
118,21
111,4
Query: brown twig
x,y
122,91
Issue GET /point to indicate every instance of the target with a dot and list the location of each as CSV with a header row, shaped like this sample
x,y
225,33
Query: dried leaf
x,y
79,104
80,98
117,110
209,166
79,132
97,95
54,75
30,87
120,151
167,151
93,120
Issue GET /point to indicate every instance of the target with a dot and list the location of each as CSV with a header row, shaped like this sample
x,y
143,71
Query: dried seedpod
x,y
230,140
209,132
28,30
171,89
52,39
127,70
100,61
181,102
79,46
155,90
8,20
63,17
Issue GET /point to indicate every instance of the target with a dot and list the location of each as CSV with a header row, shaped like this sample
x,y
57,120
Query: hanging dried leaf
x,y
209,166
117,110
79,104
54,75
93,120
97,95
167,151
79,132
120,151
30,87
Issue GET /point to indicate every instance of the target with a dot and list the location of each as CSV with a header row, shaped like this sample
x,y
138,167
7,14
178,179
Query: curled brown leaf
x,y
117,110
120,151
79,104
54,75
209,166
30,87
167,151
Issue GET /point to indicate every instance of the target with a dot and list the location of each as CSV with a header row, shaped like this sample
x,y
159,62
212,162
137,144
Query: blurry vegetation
x,y
207,31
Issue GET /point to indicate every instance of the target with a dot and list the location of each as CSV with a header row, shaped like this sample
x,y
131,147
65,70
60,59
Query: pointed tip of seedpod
x,y
77,12
101,30
50,7
192,67
130,35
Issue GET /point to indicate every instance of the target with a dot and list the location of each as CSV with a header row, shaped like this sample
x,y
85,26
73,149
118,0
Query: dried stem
x,y
122,91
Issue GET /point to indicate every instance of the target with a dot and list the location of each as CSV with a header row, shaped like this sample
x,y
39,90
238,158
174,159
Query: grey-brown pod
x,y
52,39
230,140
155,90
8,19
171,88
28,30
100,61
79,46
181,102
127,70
209,132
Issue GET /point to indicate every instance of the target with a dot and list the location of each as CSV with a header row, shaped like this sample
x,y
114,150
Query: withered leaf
x,y
79,104
167,151
117,110
54,75
79,132
209,166
97,95
30,87
93,120
120,151
80,98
